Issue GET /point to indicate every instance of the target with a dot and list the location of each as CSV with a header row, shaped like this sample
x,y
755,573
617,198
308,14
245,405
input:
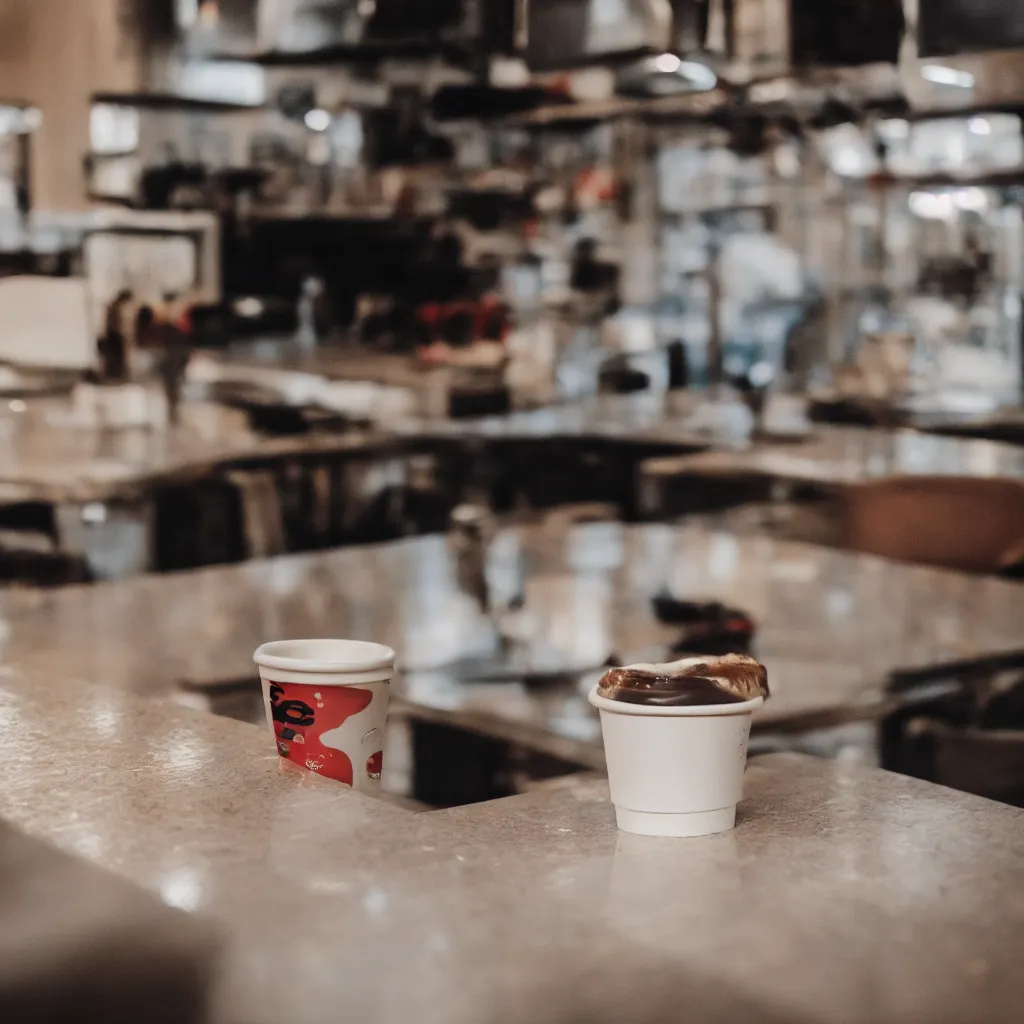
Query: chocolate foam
x,y
727,679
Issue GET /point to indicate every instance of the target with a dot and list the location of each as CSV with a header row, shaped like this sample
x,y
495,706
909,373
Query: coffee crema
x,y
728,679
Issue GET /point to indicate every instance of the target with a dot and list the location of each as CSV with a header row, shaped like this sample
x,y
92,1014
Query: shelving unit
x,y
366,52
172,102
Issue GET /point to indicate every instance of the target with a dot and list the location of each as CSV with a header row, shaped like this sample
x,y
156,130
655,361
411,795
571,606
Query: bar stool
x,y
986,762
970,524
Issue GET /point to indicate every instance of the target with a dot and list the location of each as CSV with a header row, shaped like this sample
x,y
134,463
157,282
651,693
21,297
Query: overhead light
x,y
940,74
974,199
932,205
894,129
979,126
317,120
945,205
667,63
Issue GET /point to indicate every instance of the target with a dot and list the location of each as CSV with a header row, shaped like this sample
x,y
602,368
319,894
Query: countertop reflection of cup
x,y
327,702
675,771
711,878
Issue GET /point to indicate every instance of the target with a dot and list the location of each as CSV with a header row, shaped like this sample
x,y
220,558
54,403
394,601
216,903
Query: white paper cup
x,y
327,702
675,771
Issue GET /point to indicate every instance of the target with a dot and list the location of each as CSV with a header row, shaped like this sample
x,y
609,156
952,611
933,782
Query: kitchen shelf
x,y
171,102
692,106
974,110
990,179
368,51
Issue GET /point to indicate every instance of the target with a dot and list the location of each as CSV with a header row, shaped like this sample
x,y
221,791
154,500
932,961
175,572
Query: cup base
x,y
698,823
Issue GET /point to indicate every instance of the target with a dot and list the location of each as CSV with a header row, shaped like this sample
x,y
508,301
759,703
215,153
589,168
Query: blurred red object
x,y
464,322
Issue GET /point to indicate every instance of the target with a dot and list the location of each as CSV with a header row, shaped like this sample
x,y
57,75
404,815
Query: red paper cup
x,y
327,703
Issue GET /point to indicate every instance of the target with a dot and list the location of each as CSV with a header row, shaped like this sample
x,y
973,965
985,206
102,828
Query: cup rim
x,y
621,707
324,655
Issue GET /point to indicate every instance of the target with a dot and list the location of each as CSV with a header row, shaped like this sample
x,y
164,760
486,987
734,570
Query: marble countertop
x,y
45,456
831,624
845,895
687,419
793,449
338,362
852,455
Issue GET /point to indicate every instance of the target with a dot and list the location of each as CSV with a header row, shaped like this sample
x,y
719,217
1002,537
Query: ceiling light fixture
x,y
940,74
667,63
317,120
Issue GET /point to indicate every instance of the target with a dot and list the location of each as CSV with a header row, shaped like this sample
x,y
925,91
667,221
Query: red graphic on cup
x,y
374,764
298,725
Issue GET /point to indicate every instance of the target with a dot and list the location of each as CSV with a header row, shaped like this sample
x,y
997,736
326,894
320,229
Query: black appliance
x,y
845,33
947,27
570,33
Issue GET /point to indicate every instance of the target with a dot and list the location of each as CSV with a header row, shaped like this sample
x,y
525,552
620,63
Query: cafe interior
x,y
530,339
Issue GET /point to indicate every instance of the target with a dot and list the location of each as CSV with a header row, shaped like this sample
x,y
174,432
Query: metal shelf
x,y
368,51
693,106
171,102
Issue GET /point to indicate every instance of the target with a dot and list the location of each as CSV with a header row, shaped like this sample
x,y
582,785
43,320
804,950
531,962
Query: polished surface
x,y
845,894
851,455
687,418
831,625
791,449
45,455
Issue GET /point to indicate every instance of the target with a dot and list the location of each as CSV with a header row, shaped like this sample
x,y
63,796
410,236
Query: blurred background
x,y
528,337
588,186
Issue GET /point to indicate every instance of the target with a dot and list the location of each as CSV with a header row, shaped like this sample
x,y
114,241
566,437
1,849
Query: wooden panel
x,y
55,53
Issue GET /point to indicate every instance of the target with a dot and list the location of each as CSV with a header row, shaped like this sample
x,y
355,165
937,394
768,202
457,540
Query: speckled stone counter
x,y
44,456
796,451
831,625
851,455
844,896
684,418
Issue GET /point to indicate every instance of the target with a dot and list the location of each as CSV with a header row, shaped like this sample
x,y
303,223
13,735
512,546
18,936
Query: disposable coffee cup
x,y
327,702
675,771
